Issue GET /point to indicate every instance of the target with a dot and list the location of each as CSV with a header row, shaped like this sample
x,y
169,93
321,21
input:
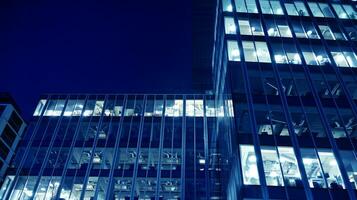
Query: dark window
x,y
3,150
15,121
8,135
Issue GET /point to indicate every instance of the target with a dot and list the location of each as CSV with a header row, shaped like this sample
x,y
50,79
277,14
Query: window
x,y
320,10
54,108
244,27
88,111
278,29
304,30
15,121
286,53
98,108
340,12
233,51
289,166
272,167
350,11
330,167
301,9
352,32
271,7
249,51
229,25
4,151
39,108
159,107
350,164
69,108
249,165
78,108
256,51
8,135
344,58
227,6
313,168
250,27
174,108
329,34
245,6
194,108
290,8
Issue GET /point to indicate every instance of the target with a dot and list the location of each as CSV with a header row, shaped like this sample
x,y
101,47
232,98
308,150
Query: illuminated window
x,y
329,34
229,25
313,168
249,51
320,10
233,51
39,108
330,167
350,164
278,29
289,166
272,168
340,11
249,165
98,108
174,108
249,27
88,111
194,108
271,7
296,9
286,53
256,51
245,6
54,108
69,108
159,107
339,59
227,6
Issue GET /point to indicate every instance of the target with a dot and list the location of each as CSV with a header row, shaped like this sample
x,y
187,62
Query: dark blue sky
x,y
103,46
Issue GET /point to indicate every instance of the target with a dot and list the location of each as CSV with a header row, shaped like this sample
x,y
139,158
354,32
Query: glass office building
x,y
290,67
119,147
281,122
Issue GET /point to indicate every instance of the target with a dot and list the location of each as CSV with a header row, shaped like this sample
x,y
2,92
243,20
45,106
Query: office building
x,y
12,127
119,147
290,67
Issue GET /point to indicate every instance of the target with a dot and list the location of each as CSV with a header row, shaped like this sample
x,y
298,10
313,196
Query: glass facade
x,y
119,147
290,67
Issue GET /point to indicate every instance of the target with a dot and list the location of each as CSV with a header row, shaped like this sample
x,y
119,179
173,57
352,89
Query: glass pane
x,y
330,167
339,59
249,165
301,9
272,168
326,10
275,5
290,8
233,51
339,11
40,106
249,51
240,6
229,25
262,52
265,6
315,10
227,6
289,166
244,27
351,13
313,168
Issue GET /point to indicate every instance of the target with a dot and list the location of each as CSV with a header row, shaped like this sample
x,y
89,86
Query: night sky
x,y
94,47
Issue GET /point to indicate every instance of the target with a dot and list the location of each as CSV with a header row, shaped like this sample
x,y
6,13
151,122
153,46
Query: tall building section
x,y
290,67
12,127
